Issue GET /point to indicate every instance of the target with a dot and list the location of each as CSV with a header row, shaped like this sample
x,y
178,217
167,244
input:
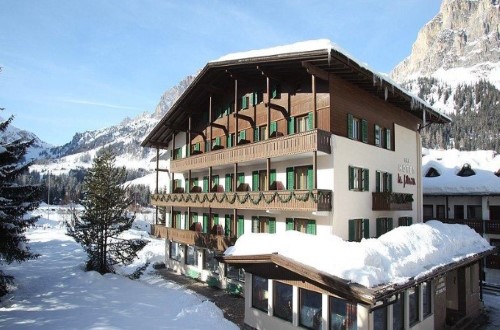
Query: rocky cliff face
x,y
464,34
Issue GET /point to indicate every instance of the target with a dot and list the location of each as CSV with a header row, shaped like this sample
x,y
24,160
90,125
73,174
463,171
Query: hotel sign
x,y
406,173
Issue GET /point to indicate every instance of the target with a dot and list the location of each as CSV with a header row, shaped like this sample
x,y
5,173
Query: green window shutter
x,y
377,181
291,125
310,121
241,225
178,220
390,224
255,181
216,179
290,224
389,182
274,127
310,178
410,221
205,184
256,134
229,142
242,135
272,225
244,102
379,226
366,228
216,219
364,131
290,175
227,225
351,178
217,141
255,224
252,99
272,176
227,183
366,179
205,223
241,178
196,146
311,227
195,181
349,126
275,93
352,230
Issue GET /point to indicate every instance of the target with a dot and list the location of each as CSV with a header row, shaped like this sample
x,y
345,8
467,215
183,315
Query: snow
x,y
489,71
449,162
402,253
54,291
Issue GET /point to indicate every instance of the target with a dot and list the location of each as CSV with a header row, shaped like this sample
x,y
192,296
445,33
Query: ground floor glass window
x,y
283,301
343,315
191,256
175,251
380,319
260,293
310,309
210,263
426,298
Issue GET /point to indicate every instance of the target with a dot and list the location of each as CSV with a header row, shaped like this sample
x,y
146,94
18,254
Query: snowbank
x,y
402,253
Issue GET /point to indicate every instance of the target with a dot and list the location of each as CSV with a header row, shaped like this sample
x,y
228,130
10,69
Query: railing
x,y
304,200
203,240
315,140
391,201
480,226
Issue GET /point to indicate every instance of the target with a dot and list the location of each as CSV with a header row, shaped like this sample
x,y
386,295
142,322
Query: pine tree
x,y
15,201
105,217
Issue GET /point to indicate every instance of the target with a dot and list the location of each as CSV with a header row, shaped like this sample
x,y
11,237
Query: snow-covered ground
x,y
54,291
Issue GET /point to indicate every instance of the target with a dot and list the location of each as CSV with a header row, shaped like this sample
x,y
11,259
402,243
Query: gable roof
x,y
318,57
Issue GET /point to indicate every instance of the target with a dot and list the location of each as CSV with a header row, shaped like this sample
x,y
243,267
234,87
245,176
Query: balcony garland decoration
x,y
232,197
398,198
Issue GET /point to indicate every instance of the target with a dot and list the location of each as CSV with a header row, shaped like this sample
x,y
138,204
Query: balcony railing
x,y
391,201
480,226
315,140
303,200
202,240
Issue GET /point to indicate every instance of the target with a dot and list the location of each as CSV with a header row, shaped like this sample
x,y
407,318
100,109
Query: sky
x,y
76,66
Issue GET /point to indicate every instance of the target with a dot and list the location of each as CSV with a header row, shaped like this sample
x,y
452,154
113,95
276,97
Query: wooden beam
x,y
213,89
315,71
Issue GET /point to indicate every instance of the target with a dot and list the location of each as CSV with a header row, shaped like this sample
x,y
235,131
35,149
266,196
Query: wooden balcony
x,y
480,226
391,201
315,140
202,240
292,200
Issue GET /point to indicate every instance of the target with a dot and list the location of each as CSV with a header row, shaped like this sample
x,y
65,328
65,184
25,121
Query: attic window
x,y
466,171
432,173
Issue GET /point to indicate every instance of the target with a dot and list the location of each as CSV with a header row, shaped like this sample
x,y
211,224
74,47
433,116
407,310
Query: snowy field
x,y
54,291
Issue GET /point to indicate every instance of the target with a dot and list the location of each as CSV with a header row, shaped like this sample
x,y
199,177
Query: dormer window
x,y
466,171
432,173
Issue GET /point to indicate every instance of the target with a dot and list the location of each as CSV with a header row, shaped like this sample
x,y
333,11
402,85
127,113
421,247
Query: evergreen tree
x,y
105,217
15,201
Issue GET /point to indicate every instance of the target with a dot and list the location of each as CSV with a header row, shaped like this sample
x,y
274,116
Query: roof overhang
x,y
220,75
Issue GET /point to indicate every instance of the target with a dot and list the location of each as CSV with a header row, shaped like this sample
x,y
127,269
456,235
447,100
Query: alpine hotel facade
x,y
300,138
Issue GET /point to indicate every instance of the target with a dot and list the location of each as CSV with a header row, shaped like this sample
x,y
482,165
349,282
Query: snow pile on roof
x,y
448,164
403,253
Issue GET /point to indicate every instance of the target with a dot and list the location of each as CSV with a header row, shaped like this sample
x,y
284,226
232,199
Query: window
x,y
398,315
383,181
229,225
215,182
378,136
303,123
343,315
209,261
228,182
176,219
256,98
175,251
193,220
380,318
299,178
216,143
260,293
432,173
261,133
357,129
359,179
195,148
283,301
242,136
310,309
474,212
205,184
264,225
383,226
388,139
466,171
428,212
440,211
234,273
414,303
177,153
244,102
191,255
358,229
240,227
275,91
302,225
230,140
459,212
426,298
405,221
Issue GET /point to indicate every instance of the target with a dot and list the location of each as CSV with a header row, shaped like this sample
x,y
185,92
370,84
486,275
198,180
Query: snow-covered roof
x,y
404,253
448,163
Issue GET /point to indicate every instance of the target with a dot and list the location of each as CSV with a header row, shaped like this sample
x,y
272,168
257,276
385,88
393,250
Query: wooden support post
x,y
236,111
234,227
210,123
268,88
171,158
157,168
315,170
268,173
188,144
189,182
210,179
235,177
315,107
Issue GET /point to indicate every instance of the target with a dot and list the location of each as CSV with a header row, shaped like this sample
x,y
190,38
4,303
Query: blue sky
x,y
73,66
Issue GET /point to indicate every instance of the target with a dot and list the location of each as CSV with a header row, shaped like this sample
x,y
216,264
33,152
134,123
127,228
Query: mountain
x,y
455,66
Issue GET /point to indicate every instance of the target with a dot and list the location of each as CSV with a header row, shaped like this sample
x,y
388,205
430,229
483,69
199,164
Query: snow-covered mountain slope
x,y
460,44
